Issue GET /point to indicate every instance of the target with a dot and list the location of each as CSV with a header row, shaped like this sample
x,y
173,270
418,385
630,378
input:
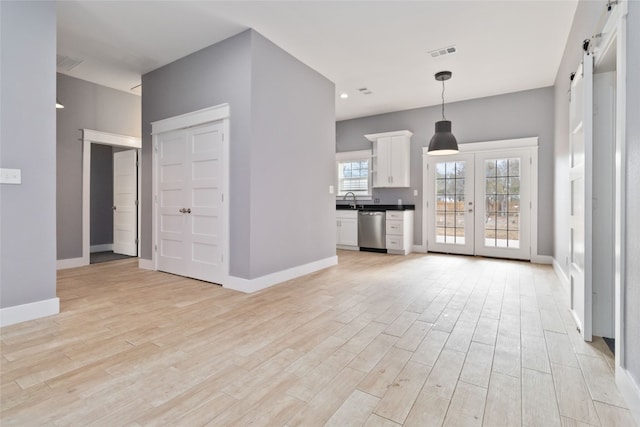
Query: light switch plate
x,y
415,192
331,189
10,176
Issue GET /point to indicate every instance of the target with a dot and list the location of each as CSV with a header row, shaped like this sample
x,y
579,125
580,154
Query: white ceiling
x,y
502,46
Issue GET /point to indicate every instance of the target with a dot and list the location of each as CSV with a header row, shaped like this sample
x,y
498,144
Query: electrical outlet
x,y
10,176
376,200
415,192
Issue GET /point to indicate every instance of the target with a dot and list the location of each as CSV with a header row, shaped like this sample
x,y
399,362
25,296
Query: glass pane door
x,y
451,195
503,205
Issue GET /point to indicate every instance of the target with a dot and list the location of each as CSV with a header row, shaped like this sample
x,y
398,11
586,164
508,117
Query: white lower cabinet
x,y
399,230
347,229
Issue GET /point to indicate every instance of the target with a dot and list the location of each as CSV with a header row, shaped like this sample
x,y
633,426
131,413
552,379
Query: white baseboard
x,y
542,259
420,248
562,276
101,248
30,311
259,283
348,248
61,264
630,391
145,264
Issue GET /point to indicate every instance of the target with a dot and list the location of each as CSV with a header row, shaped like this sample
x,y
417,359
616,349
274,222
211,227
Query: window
x,y
353,173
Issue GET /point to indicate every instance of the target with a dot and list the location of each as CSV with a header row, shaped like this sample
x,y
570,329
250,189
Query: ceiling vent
x,y
67,63
443,51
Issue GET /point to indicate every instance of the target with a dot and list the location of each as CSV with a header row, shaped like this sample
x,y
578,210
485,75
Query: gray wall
x,y
632,273
101,195
281,148
514,115
292,161
27,142
86,106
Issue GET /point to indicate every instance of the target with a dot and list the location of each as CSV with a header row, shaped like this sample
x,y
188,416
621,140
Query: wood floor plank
x,y
428,351
477,366
384,373
539,406
503,401
614,416
354,411
399,398
467,406
600,380
573,396
444,375
136,347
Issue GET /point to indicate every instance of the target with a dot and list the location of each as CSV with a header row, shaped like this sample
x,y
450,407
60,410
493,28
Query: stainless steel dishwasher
x,y
371,230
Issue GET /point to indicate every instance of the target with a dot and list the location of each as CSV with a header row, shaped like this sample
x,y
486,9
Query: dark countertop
x,y
377,207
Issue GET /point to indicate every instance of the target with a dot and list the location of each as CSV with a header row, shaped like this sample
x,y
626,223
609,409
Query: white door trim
x,y
206,115
488,146
90,137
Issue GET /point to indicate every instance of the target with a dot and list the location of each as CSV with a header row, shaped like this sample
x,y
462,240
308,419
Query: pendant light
x,y
443,142
58,104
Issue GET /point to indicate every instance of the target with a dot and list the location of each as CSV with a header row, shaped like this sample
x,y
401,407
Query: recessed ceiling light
x,y
344,95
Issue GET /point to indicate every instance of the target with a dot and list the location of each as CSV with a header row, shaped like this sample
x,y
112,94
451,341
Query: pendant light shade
x,y
58,104
443,142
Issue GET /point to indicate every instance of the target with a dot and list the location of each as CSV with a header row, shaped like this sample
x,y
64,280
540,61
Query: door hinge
x,y
136,241
223,136
155,198
137,163
155,248
155,147
137,202
222,197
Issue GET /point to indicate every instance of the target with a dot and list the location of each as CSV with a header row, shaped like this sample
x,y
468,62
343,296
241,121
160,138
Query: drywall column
x,y
28,143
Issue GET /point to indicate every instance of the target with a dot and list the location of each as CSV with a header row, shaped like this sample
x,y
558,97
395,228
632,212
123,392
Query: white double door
x,y
190,231
479,204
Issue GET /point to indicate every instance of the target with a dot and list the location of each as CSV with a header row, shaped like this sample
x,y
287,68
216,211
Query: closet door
x,y
173,171
191,236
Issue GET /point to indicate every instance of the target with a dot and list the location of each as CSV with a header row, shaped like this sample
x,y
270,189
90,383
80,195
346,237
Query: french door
x,y
479,203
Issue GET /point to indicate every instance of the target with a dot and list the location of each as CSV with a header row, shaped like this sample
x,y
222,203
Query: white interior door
x,y
503,204
205,199
172,241
125,209
450,204
191,173
581,160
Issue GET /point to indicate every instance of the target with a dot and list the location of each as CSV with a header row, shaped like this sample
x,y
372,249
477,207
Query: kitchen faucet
x,y
354,198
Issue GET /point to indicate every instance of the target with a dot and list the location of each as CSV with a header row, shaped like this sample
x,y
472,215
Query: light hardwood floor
x,y
379,340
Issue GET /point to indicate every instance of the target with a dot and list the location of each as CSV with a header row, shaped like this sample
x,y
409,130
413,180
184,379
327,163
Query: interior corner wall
x,y
585,20
632,250
86,106
292,161
215,75
27,142
514,115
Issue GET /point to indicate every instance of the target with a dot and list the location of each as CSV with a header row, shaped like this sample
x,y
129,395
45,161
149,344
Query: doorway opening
x,y
114,193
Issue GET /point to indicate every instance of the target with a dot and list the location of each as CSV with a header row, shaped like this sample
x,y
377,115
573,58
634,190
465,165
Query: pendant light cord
x,y
443,117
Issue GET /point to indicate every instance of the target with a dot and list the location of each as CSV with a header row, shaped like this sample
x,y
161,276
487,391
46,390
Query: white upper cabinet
x,y
390,158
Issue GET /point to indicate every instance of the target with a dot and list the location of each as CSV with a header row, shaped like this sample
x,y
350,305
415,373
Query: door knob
x,y
183,210
113,207
188,210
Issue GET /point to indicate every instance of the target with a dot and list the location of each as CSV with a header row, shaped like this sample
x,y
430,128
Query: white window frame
x,y
353,156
